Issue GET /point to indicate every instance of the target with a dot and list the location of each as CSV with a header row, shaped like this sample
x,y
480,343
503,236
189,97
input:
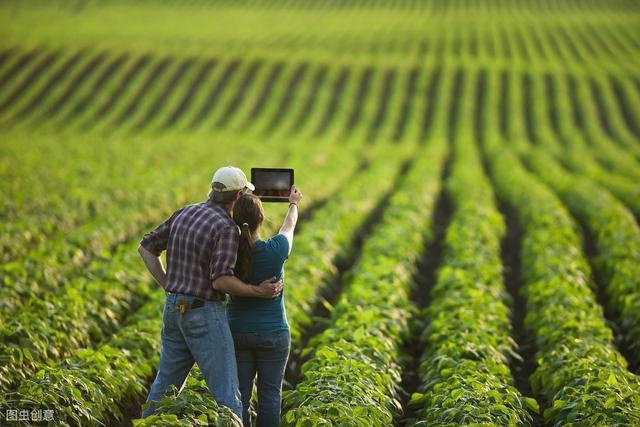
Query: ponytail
x,y
245,253
248,215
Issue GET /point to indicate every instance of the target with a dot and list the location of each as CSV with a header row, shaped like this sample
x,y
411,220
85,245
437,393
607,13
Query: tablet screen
x,y
272,184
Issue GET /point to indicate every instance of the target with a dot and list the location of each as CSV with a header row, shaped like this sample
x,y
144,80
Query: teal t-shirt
x,y
248,314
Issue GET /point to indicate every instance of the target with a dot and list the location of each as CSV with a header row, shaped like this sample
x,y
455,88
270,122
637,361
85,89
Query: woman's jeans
x,y
199,335
264,354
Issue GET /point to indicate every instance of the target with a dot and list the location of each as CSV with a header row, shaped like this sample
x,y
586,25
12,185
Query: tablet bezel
x,y
277,199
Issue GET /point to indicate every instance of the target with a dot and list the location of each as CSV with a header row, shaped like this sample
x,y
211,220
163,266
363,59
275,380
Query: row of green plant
x,y
164,78
50,329
194,406
158,76
619,126
611,226
47,339
616,236
39,170
331,243
19,166
120,91
609,150
333,117
93,386
465,373
580,375
581,160
327,239
89,307
575,104
328,236
53,312
609,123
629,106
36,78
353,373
39,205
567,143
111,93
72,253
523,34
97,190
95,318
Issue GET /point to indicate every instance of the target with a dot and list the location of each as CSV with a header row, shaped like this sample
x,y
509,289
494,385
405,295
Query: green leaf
x,y
417,399
358,334
532,404
455,395
327,305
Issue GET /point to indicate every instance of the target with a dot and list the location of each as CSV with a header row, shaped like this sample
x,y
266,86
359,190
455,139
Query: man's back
x,y
201,241
190,236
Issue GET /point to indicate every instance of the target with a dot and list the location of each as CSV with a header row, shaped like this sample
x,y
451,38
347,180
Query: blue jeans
x,y
200,335
264,354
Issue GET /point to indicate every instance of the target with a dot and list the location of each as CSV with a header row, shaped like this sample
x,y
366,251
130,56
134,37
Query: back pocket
x,y
196,322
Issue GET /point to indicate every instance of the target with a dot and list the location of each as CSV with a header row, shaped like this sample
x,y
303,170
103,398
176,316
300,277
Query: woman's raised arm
x,y
291,219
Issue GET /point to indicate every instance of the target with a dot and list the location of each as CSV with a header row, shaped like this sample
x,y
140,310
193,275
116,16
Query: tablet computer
x,y
272,184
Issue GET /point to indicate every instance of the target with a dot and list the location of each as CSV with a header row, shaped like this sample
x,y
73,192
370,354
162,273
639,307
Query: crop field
x,y
468,251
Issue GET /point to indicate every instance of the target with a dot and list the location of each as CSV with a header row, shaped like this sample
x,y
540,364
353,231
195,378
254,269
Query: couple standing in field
x,y
213,249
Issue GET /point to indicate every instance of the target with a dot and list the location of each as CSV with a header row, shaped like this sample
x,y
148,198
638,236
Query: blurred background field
x,y
511,130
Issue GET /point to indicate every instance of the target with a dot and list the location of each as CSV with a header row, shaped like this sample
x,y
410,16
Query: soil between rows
x,y
31,78
511,256
334,287
186,100
140,64
292,87
155,108
77,81
132,409
521,370
611,316
424,280
214,94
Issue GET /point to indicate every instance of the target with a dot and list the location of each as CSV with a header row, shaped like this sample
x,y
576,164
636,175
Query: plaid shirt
x,y
201,241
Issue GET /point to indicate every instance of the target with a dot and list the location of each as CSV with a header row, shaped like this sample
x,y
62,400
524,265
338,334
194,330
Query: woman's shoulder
x,y
277,244
276,238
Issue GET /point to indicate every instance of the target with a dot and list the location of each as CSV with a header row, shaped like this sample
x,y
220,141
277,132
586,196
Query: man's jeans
x,y
200,335
264,354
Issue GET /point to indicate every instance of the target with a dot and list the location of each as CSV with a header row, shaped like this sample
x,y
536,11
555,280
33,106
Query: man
x,y
201,241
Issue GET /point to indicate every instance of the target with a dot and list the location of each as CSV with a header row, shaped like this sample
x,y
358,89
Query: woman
x,y
259,327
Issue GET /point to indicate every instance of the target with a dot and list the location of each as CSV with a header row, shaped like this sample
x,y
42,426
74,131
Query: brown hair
x,y
248,214
221,196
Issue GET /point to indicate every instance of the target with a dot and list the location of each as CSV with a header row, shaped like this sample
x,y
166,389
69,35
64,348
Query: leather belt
x,y
217,296
183,305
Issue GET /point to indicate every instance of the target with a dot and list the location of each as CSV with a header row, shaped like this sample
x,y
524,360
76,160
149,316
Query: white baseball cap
x,y
229,178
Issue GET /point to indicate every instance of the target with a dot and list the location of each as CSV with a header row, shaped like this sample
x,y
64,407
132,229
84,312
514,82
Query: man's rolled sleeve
x,y
157,240
223,258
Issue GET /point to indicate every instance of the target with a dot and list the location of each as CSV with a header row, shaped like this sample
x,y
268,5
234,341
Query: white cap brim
x,y
250,186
